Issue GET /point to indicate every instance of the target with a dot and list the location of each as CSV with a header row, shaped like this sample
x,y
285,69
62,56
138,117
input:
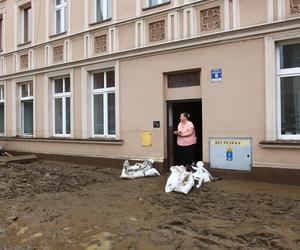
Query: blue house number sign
x,y
216,75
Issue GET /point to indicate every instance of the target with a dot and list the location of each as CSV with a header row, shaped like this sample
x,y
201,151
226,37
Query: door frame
x,y
170,140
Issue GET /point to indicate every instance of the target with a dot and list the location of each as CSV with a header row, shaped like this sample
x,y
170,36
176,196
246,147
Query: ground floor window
x,y
26,101
2,101
104,104
62,107
289,91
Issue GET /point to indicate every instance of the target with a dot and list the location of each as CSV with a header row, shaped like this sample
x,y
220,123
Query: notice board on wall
x,y
146,139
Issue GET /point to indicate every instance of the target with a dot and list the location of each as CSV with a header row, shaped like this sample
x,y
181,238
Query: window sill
x,y
281,144
155,6
65,140
23,44
99,22
58,34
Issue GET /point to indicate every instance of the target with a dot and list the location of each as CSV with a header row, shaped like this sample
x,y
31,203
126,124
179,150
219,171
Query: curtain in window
x,y
98,115
290,105
111,105
58,116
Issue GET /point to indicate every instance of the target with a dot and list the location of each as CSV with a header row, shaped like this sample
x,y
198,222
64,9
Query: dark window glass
x,y
99,10
68,116
24,90
111,114
67,84
183,79
110,79
58,86
290,105
31,89
98,80
290,56
27,13
58,116
58,21
1,118
28,117
98,115
1,32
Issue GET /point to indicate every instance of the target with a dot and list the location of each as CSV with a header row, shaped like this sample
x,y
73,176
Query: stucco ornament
x,y
295,6
100,43
210,19
24,61
58,53
157,31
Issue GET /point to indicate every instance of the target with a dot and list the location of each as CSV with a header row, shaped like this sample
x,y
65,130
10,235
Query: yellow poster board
x,y
147,139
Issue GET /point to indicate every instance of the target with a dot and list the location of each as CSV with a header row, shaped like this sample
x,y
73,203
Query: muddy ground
x,y
54,205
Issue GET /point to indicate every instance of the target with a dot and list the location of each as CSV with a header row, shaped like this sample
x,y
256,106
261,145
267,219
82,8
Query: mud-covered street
x,y
54,205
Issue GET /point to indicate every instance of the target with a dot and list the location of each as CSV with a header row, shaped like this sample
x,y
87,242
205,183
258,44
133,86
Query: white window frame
x,y
64,95
63,7
23,24
2,101
106,9
158,2
22,99
283,73
104,91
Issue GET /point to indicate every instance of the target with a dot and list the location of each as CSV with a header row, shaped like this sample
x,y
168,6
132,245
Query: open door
x,y
175,108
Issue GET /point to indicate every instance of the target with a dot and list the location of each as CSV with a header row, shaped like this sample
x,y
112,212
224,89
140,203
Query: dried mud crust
x,y
54,205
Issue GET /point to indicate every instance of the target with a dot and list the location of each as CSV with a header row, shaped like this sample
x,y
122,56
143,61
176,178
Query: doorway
x,y
175,108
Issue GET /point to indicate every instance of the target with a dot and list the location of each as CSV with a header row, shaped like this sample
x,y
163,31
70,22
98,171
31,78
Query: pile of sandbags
x,y
182,181
138,170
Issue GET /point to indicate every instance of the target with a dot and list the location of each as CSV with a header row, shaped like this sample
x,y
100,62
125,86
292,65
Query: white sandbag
x,y
174,179
152,172
138,170
186,183
182,181
179,181
201,175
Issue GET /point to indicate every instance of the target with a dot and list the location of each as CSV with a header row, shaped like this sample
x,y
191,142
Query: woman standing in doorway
x,y
186,140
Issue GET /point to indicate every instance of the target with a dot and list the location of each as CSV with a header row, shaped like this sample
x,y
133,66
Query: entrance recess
x,y
175,108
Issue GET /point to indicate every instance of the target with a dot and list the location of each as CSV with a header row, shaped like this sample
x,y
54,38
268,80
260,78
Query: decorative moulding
x,y
210,19
58,53
100,43
295,6
157,31
24,61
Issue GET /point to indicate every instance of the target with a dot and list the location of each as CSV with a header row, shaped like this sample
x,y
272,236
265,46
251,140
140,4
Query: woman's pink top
x,y
188,135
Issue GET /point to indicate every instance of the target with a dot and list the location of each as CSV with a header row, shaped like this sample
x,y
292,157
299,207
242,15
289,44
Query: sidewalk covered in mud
x,y
54,205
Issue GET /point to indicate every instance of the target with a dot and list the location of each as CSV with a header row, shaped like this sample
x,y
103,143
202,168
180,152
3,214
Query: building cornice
x,y
105,25
221,37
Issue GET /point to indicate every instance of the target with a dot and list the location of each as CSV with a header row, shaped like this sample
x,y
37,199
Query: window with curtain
x,y
60,16
2,103
156,2
103,104
289,91
26,101
103,10
62,107
26,24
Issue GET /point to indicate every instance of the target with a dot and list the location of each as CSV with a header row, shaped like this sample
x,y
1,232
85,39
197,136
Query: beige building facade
x,y
107,78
